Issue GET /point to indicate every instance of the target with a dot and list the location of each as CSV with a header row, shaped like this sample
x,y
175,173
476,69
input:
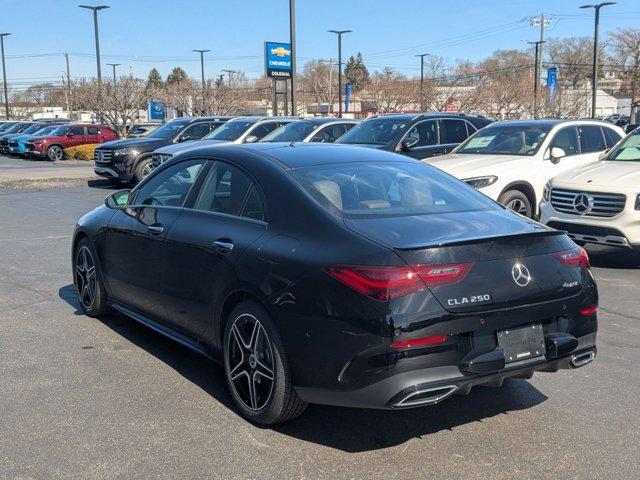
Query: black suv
x,y
130,159
419,135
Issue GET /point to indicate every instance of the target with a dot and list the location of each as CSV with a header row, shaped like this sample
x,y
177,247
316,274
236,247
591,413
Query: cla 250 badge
x,y
473,299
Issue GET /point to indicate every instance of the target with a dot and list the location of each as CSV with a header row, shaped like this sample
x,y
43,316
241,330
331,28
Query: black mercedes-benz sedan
x,y
336,275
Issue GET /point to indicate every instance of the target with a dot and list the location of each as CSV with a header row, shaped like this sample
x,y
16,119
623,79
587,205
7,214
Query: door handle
x,y
223,245
155,229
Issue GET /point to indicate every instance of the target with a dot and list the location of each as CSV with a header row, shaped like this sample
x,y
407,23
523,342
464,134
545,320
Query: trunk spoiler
x,y
467,241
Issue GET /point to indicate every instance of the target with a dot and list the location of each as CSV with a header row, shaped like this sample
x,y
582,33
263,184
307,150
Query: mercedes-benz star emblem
x,y
520,275
583,203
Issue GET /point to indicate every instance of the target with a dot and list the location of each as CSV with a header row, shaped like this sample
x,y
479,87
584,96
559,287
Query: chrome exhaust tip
x,y
582,359
426,396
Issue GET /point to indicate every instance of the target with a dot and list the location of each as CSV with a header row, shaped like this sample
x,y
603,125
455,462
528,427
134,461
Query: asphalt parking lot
x,y
85,398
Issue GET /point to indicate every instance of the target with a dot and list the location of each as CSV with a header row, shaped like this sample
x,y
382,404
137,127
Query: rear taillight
x,y
576,257
387,283
592,310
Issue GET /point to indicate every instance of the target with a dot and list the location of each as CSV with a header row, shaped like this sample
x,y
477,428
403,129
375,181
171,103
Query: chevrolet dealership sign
x,y
277,59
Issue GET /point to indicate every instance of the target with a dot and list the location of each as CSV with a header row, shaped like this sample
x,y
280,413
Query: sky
x,y
142,34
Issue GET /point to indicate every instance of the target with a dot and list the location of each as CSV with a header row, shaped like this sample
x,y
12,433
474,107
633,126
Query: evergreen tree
x,y
356,72
154,79
177,75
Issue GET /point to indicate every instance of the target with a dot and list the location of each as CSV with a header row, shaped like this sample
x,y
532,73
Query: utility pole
x,y
292,41
114,65
541,22
536,75
422,55
202,52
95,29
594,72
4,76
340,33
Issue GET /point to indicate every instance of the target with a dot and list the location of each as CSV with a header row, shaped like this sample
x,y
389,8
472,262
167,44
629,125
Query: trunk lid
x,y
512,257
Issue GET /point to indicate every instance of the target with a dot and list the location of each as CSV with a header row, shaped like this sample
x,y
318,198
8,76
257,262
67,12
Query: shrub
x,y
81,152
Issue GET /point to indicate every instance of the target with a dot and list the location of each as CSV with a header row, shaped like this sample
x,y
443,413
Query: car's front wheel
x,y
517,201
256,367
88,281
55,152
143,169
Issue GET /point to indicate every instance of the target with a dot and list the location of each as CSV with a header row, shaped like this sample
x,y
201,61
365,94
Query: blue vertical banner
x,y
552,82
156,110
347,96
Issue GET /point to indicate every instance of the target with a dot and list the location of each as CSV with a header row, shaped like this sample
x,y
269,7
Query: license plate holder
x,y
521,343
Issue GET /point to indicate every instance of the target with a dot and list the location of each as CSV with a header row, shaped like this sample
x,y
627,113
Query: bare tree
x,y
390,91
625,49
573,56
319,80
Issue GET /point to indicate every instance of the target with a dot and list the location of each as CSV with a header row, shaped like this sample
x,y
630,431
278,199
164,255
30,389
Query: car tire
x,y
517,201
256,367
55,153
87,280
143,169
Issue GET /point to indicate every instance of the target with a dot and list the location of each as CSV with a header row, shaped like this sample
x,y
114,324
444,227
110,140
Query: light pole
x,y
292,41
4,76
422,55
340,33
202,52
114,65
536,75
594,82
95,29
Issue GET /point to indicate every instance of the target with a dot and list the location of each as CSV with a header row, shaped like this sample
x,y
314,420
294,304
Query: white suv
x,y
599,202
511,161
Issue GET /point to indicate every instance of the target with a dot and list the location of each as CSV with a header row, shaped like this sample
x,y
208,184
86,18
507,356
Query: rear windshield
x,y
377,131
389,189
628,150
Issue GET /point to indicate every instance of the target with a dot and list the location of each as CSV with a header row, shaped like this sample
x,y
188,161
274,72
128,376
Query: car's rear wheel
x,y
517,201
88,280
256,367
55,152
143,169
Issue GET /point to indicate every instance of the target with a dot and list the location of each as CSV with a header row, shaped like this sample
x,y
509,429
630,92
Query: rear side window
x,y
225,190
330,133
389,189
262,130
611,136
93,131
77,130
197,131
454,131
591,139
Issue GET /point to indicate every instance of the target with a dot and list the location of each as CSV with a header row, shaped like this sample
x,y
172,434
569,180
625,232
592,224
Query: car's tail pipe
x,y
427,396
582,359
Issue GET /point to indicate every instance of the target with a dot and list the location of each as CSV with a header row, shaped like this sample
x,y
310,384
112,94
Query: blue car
x,y
17,144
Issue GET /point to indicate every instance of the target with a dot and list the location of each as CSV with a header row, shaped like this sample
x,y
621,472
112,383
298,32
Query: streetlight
x,y
202,52
292,41
422,55
594,83
340,33
536,75
4,76
114,65
95,28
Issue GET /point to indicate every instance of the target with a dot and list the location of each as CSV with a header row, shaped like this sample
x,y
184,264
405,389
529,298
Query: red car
x,y
52,146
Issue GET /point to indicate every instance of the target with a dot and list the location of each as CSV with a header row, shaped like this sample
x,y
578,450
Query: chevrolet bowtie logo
x,y
280,52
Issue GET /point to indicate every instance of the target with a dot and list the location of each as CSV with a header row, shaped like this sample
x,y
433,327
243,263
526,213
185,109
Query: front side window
x,y
171,186
389,189
591,139
376,131
77,131
505,140
224,190
169,129
423,134
264,129
93,130
454,131
197,131
567,140
628,150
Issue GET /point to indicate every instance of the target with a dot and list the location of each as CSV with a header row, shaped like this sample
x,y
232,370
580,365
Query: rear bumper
x,y
432,385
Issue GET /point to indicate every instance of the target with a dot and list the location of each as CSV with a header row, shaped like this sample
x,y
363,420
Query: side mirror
x,y
604,153
407,144
556,154
117,200
251,139
184,138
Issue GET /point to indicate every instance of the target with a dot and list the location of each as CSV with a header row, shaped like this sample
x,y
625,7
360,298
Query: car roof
x,y
419,115
323,120
299,154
